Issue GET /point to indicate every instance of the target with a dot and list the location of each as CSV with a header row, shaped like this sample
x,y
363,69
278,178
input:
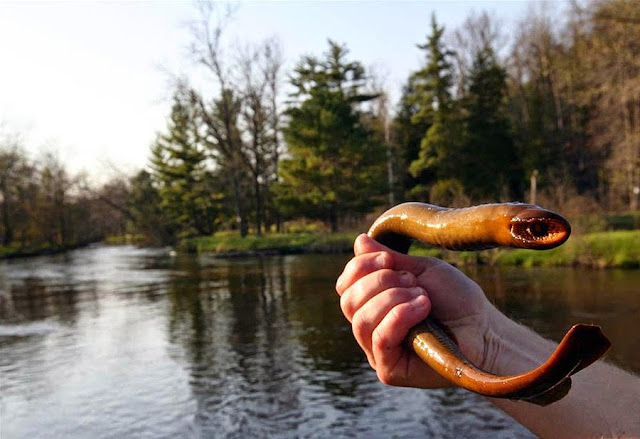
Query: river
x,y
114,342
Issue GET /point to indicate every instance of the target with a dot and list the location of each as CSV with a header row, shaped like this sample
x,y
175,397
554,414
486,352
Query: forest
x,y
549,115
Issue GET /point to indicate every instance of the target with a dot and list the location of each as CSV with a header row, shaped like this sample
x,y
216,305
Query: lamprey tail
x,y
475,228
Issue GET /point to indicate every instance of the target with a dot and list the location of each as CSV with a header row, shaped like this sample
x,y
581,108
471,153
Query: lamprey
x,y
476,228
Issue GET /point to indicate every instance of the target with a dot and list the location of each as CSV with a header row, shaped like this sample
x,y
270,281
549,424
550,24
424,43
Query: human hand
x,y
384,293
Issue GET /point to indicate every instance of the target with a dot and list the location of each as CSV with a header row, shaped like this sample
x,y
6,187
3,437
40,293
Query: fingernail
x,y
407,279
381,260
420,299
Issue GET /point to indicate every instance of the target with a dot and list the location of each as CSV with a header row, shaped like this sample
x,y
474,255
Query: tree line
x,y
556,118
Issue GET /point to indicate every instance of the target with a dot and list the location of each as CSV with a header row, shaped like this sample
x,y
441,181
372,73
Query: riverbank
x,y
229,244
615,249
14,251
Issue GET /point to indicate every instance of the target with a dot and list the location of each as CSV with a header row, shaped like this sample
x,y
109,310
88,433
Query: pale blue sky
x,y
87,79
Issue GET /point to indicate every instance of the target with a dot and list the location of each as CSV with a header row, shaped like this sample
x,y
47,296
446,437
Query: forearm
x,y
604,401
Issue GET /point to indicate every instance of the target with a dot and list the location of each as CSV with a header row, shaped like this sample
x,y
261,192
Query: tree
x,y
42,205
610,53
488,138
241,115
53,209
17,191
220,115
540,100
259,119
439,154
179,161
479,31
145,207
335,168
407,133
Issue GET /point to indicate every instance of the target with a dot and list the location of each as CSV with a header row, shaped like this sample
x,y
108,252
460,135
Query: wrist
x,y
511,348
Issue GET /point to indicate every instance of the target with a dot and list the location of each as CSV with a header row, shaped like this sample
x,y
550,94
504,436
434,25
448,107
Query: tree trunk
x,y
259,207
237,196
333,218
6,223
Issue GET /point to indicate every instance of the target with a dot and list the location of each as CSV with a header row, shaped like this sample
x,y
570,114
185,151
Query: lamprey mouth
x,y
540,229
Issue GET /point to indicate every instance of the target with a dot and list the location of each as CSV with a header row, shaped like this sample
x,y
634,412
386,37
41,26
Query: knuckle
x,y
346,305
360,327
384,259
386,278
399,295
385,375
381,339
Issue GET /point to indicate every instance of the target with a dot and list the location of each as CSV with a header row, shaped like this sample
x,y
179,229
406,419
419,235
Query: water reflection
x,y
551,300
121,342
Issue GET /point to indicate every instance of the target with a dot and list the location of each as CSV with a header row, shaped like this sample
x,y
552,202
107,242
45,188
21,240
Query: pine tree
x,y
408,132
335,167
189,197
439,155
488,138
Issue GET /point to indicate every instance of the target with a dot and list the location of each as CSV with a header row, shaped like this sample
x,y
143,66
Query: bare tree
x,y
610,50
260,69
220,116
478,32
15,176
242,120
55,186
273,62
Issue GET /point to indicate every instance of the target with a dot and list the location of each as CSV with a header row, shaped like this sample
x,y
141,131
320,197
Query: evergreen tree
x,y
335,168
223,139
145,208
408,131
488,137
189,198
439,155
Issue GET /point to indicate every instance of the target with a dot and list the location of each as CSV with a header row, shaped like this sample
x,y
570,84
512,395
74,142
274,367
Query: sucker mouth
x,y
540,229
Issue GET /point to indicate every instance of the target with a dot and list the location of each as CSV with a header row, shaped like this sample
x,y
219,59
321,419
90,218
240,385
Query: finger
x,y
360,266
369,316
365,245
395,364
387,349
370,285
394,327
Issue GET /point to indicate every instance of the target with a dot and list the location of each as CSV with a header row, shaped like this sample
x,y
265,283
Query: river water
x,y
114,342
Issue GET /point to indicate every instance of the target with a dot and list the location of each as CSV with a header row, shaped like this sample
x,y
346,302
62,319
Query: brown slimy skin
x,y
476,228
471,228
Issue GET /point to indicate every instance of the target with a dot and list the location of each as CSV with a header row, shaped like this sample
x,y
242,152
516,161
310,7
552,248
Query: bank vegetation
x,y
549,114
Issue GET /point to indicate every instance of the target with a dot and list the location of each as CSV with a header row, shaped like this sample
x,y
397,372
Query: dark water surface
x,y
114,342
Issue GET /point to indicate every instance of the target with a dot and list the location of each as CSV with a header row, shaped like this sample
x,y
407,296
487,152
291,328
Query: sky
x,y
90,81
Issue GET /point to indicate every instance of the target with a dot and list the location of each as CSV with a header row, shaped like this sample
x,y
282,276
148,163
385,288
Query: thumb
x,y
365,244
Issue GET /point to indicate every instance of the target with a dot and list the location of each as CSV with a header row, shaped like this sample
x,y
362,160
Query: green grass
x,y
232,243
619,249
127,239
613,249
